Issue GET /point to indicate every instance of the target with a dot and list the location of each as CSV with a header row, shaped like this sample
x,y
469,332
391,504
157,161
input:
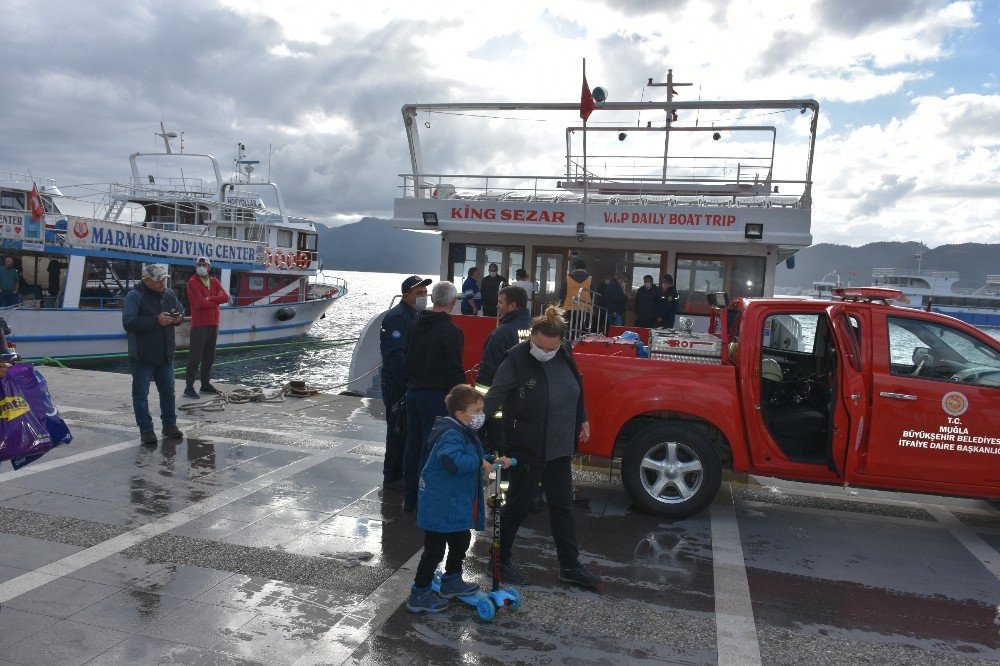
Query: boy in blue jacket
x,y
451,502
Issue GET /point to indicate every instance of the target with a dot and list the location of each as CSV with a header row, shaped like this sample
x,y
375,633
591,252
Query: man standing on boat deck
x,y
205,296
668,301
491,286
150,313
433,367
472,297
10,281
393,337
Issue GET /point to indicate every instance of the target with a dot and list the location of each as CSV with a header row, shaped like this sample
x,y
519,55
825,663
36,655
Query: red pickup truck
x,y
852,392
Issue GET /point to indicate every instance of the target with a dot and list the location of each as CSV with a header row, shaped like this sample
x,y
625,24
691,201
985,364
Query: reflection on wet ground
x,y
263,537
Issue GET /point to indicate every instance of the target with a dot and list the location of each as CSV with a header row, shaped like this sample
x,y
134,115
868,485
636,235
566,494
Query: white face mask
x,y
493,273
421,303
542,355
478,420
202,271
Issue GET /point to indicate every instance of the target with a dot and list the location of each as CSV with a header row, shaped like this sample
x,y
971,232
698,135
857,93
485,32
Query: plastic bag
x,y
30,424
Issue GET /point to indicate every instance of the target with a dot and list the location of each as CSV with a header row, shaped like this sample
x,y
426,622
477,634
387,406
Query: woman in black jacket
x,y
539,388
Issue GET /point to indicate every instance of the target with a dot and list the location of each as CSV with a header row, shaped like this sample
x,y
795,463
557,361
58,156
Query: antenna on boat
x,y
671,113
244,165
167,136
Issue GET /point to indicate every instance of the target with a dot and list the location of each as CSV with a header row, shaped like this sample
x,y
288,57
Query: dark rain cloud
x,y
95,88
859,16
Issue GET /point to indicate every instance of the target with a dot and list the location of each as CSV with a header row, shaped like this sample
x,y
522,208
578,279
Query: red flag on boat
x,y
35,200
587,104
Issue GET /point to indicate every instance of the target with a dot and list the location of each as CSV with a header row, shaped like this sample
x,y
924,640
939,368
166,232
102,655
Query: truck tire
x,y
671,470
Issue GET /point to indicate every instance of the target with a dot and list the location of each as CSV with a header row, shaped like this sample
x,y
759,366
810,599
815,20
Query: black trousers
x,y
395,433
202,351
556,477
434,543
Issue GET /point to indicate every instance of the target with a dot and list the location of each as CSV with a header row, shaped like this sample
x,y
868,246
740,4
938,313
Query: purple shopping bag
x,y
24,436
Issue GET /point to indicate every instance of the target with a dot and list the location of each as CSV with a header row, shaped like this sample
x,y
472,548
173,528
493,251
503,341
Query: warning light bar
x,y
867,294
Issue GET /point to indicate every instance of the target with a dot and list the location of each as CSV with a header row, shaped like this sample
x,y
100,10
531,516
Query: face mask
x,y
202,271
649,285
421,303
541,355
493,273
478,420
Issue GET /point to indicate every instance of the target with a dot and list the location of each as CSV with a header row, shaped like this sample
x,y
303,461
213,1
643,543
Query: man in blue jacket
x,y
150,314
393,337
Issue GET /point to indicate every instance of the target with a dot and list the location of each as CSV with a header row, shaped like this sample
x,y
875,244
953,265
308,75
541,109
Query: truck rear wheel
x,y
671,470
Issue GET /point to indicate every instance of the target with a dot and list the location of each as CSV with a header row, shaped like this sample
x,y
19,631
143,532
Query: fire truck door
x,y
850,406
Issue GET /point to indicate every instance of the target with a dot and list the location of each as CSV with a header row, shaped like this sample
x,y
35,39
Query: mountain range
x,y
372,244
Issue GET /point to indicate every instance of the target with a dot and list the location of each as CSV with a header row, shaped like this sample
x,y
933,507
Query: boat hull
x,y
86,333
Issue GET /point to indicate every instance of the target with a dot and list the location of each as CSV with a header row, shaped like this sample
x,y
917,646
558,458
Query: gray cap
x,y
155,272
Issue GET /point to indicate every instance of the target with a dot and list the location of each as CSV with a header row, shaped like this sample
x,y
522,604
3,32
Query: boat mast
x,y
670,114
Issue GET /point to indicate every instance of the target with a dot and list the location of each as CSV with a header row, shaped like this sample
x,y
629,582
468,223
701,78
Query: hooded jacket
x,y
451,497
514,328
149,342
434,353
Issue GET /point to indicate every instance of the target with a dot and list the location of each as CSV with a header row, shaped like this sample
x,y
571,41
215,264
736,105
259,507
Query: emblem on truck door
x,y
954,403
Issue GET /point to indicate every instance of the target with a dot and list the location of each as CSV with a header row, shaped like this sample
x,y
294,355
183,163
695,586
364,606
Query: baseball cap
x,y
412,282
155,272
203,260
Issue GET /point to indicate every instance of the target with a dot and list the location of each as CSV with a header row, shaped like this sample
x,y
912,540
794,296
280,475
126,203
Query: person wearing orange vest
x,y
570,295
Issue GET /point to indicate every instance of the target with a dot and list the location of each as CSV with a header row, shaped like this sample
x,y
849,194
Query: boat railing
x,y
637,191
911,272
162,187
196,229
322,288
585,316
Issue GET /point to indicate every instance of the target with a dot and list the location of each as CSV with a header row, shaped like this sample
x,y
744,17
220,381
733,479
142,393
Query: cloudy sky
x,y
908,90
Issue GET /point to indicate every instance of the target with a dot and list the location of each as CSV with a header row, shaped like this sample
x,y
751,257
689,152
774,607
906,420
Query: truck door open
x,y
850,403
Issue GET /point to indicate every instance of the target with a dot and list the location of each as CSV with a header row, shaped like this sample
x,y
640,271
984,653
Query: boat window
x,y
12,200
930,350
641,264
307,242
223,232
463,257
255,233
284,238
698,276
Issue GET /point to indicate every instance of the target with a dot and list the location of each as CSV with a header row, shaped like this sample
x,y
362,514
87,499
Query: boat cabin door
x,y
550,271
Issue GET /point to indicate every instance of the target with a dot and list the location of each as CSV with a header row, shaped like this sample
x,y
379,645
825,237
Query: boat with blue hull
x,y
176,207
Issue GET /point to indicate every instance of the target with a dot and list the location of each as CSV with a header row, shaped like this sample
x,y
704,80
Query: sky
x,y
909,147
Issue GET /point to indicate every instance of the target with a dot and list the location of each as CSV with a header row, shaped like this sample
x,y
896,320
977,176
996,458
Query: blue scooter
x,y
487,603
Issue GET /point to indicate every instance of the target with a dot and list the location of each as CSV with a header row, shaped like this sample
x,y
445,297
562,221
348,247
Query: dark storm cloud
x,y
859,16
95,88
890,189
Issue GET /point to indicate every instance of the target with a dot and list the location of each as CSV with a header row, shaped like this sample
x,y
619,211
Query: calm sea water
x,y
317,359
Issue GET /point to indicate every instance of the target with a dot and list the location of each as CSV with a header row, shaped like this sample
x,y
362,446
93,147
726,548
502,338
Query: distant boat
x,y
936,289
77,270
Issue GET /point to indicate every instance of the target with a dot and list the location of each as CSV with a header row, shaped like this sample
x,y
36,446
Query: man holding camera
x,y
149,315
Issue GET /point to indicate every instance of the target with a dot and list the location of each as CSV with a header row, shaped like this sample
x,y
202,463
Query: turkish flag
x,y
587,104
35,200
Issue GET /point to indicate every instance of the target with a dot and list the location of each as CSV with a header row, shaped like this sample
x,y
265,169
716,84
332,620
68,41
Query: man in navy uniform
x,y
393,336
668,301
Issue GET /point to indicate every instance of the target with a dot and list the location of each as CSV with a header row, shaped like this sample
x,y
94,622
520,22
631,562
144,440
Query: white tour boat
x,y
715,193
936,290
176,208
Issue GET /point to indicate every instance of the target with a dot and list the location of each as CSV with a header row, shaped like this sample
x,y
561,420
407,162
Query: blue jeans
x,y
163,375
422,407
8,298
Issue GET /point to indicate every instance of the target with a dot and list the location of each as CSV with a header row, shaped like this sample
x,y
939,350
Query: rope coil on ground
x,y
240,396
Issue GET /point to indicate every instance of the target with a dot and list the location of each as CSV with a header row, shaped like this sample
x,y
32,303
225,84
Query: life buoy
x,y
270,257
280,260
302,260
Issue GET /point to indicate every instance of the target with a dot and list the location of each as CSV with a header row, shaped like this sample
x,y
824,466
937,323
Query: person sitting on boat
x,y
433,367
10,283
393,337
472,298
150,313
491,286
205,296
646,301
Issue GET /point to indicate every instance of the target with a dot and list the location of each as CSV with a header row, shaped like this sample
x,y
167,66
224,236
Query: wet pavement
x,y
262,537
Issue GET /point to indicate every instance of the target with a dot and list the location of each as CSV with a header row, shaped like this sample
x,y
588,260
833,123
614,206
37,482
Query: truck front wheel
x,y
671,470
